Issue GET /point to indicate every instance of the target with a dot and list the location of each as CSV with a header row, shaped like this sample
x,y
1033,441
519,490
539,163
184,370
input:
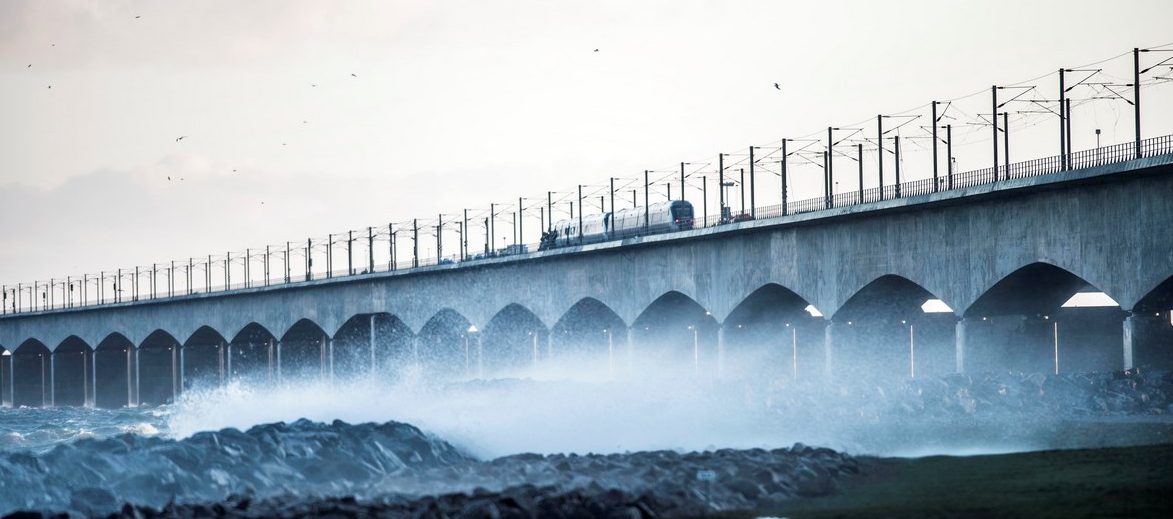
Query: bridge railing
x,y
147,283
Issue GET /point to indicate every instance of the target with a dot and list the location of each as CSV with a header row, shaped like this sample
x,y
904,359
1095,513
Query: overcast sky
x,y
303,118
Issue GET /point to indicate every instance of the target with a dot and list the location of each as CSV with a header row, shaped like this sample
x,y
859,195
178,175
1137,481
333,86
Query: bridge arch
x,y
73,372
587,339
511,342
770,332
674,335
202,359
251,355
1020,323
158,363
885,330
114,371
31,366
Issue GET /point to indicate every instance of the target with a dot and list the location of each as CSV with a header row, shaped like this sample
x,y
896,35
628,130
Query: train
x,y
673,216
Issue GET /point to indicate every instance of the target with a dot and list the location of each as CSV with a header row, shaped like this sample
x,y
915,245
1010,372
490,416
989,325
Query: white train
x,y
664,217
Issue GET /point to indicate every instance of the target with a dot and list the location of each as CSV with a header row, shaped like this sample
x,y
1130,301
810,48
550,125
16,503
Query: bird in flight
x,y
50,87
313,84
138,16
30,65
352,74
596,50
168,178
180,138
777,86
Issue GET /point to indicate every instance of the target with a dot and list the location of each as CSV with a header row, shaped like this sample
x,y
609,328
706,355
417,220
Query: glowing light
x,y
935,306
472,329
810,309
1090,300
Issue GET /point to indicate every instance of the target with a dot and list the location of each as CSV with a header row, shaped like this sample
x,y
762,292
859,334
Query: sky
x,y
137,132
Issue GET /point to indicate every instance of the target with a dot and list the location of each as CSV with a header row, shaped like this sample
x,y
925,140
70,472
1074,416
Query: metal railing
x,y
155,282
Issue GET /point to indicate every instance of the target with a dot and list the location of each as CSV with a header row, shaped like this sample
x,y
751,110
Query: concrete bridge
x,y
833,292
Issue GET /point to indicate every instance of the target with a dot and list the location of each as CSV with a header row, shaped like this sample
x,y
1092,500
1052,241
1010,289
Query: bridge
x,y
966,272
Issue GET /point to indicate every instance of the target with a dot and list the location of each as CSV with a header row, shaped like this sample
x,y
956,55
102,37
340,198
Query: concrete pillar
x,y
11,376
720,350
227,362
828,346
129,377
372,345
550,346
330,357
630,346
480,356
415,350
174,373
182,354
535,352
52,379
137,395
322,356
278,345
94,378
960,335
269,361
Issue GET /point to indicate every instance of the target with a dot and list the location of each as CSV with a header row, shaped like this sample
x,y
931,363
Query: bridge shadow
x,y
676,335
158,364
445,346
250,356
356,356
1153,328
771,334
512,342
1020,324
30,361
72,375
590,336
885,331
113,371
203,359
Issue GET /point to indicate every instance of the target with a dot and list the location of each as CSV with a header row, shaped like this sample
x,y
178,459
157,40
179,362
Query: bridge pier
x,y
720,351
277,346
1143,334
481,355
630,346
371,344
960,336
226,362
829,346
52,380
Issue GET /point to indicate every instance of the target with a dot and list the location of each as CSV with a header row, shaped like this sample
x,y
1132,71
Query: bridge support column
x,y
269,361
1137,335
480,356
960,333
720,351
550,346
372,338
226,375
94,379
174,373
277,346
52,379
322,357
829,346
415,350
182,355
330,357
630,346
137,379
